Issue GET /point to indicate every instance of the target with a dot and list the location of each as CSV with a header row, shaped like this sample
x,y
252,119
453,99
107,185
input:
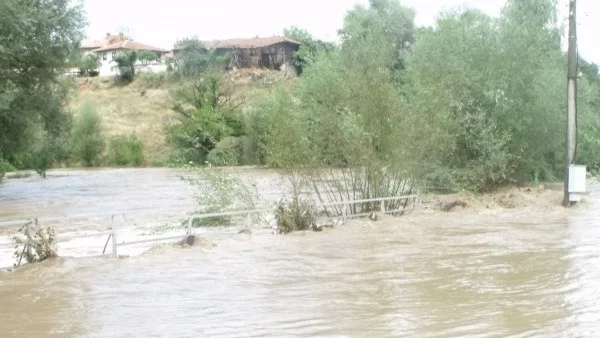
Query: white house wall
x,y
108,67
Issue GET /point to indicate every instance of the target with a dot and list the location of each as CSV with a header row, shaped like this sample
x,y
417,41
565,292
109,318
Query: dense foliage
x,y
125,150
474,102
88,143
495,90
194,58
309,47
126,66
206,114
37,40
88,64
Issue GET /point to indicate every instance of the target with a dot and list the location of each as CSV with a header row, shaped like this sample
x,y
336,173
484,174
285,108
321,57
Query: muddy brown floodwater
x,y
499,273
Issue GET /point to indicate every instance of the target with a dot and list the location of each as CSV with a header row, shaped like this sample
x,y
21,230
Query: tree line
x,y
474,102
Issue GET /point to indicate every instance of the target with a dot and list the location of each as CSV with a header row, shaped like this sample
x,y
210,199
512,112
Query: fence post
x,y
113,233
29,239
344,212
248,223
189,226
382,207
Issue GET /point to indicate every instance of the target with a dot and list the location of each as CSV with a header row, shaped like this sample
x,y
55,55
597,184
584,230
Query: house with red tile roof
x,y
111,47
90,45
270,52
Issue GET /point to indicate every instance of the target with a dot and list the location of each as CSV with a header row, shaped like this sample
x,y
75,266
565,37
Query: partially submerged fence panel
x,y
404,202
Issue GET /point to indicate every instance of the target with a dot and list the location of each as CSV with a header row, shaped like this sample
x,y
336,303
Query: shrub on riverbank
x,y
87,141
227,152
207,113
125,150
4,167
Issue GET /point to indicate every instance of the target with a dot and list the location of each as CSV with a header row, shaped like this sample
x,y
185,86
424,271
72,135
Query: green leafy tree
x,y
124,150
87,141
146,56
297,34
194,58
309,47
88,64
4,167
206,113
588,134
491,90
37,38
386,26
47,151
344,123
126,65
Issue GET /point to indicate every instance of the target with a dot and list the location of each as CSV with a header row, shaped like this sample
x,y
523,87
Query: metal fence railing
x,y
402,203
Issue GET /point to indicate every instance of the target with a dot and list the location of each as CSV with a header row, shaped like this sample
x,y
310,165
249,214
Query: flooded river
x,y
493,274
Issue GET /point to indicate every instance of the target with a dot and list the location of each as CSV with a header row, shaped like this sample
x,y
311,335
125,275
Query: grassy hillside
x,y
143,107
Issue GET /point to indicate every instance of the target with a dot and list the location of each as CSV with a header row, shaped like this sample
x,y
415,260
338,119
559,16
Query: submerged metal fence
x,y
404,203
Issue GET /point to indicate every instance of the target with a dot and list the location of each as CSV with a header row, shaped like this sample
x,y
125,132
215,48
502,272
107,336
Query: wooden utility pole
x,y
572,74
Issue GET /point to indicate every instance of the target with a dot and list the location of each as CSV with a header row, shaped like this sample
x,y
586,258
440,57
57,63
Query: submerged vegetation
x,y
36,245
296,215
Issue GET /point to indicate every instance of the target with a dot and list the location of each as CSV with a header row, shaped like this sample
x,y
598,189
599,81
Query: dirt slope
x,y
142,107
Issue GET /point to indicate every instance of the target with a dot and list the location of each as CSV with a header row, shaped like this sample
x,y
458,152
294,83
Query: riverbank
x,y
145,203
144,106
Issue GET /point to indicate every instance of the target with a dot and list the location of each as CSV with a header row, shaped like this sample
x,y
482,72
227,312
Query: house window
x,y
114,55
104,56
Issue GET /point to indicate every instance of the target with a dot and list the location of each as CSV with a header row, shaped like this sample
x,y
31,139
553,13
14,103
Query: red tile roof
x,y
246,43
94,44
128,44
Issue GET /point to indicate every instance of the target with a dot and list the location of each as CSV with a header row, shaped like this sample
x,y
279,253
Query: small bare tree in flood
x,y
36,244
220,191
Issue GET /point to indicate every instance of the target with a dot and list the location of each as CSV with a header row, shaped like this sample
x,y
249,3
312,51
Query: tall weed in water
x,y
219,191
42,244
296,215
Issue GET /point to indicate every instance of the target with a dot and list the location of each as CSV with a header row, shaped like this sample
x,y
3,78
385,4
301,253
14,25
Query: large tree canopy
x,y
495,88
379,34
194,58
37,38
310,47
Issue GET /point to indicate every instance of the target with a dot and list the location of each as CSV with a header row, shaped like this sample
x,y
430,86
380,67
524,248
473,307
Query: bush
x,y
42,246
206,114
125,151
88,64
41,159
4,167
227,153
297,215
87,142
126,65
156,80
219,191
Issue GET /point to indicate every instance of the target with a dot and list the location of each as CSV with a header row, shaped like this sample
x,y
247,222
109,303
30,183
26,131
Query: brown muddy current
x,y
494,274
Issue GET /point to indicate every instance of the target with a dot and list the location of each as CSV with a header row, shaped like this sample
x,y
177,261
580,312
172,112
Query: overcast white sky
x,y
162,23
